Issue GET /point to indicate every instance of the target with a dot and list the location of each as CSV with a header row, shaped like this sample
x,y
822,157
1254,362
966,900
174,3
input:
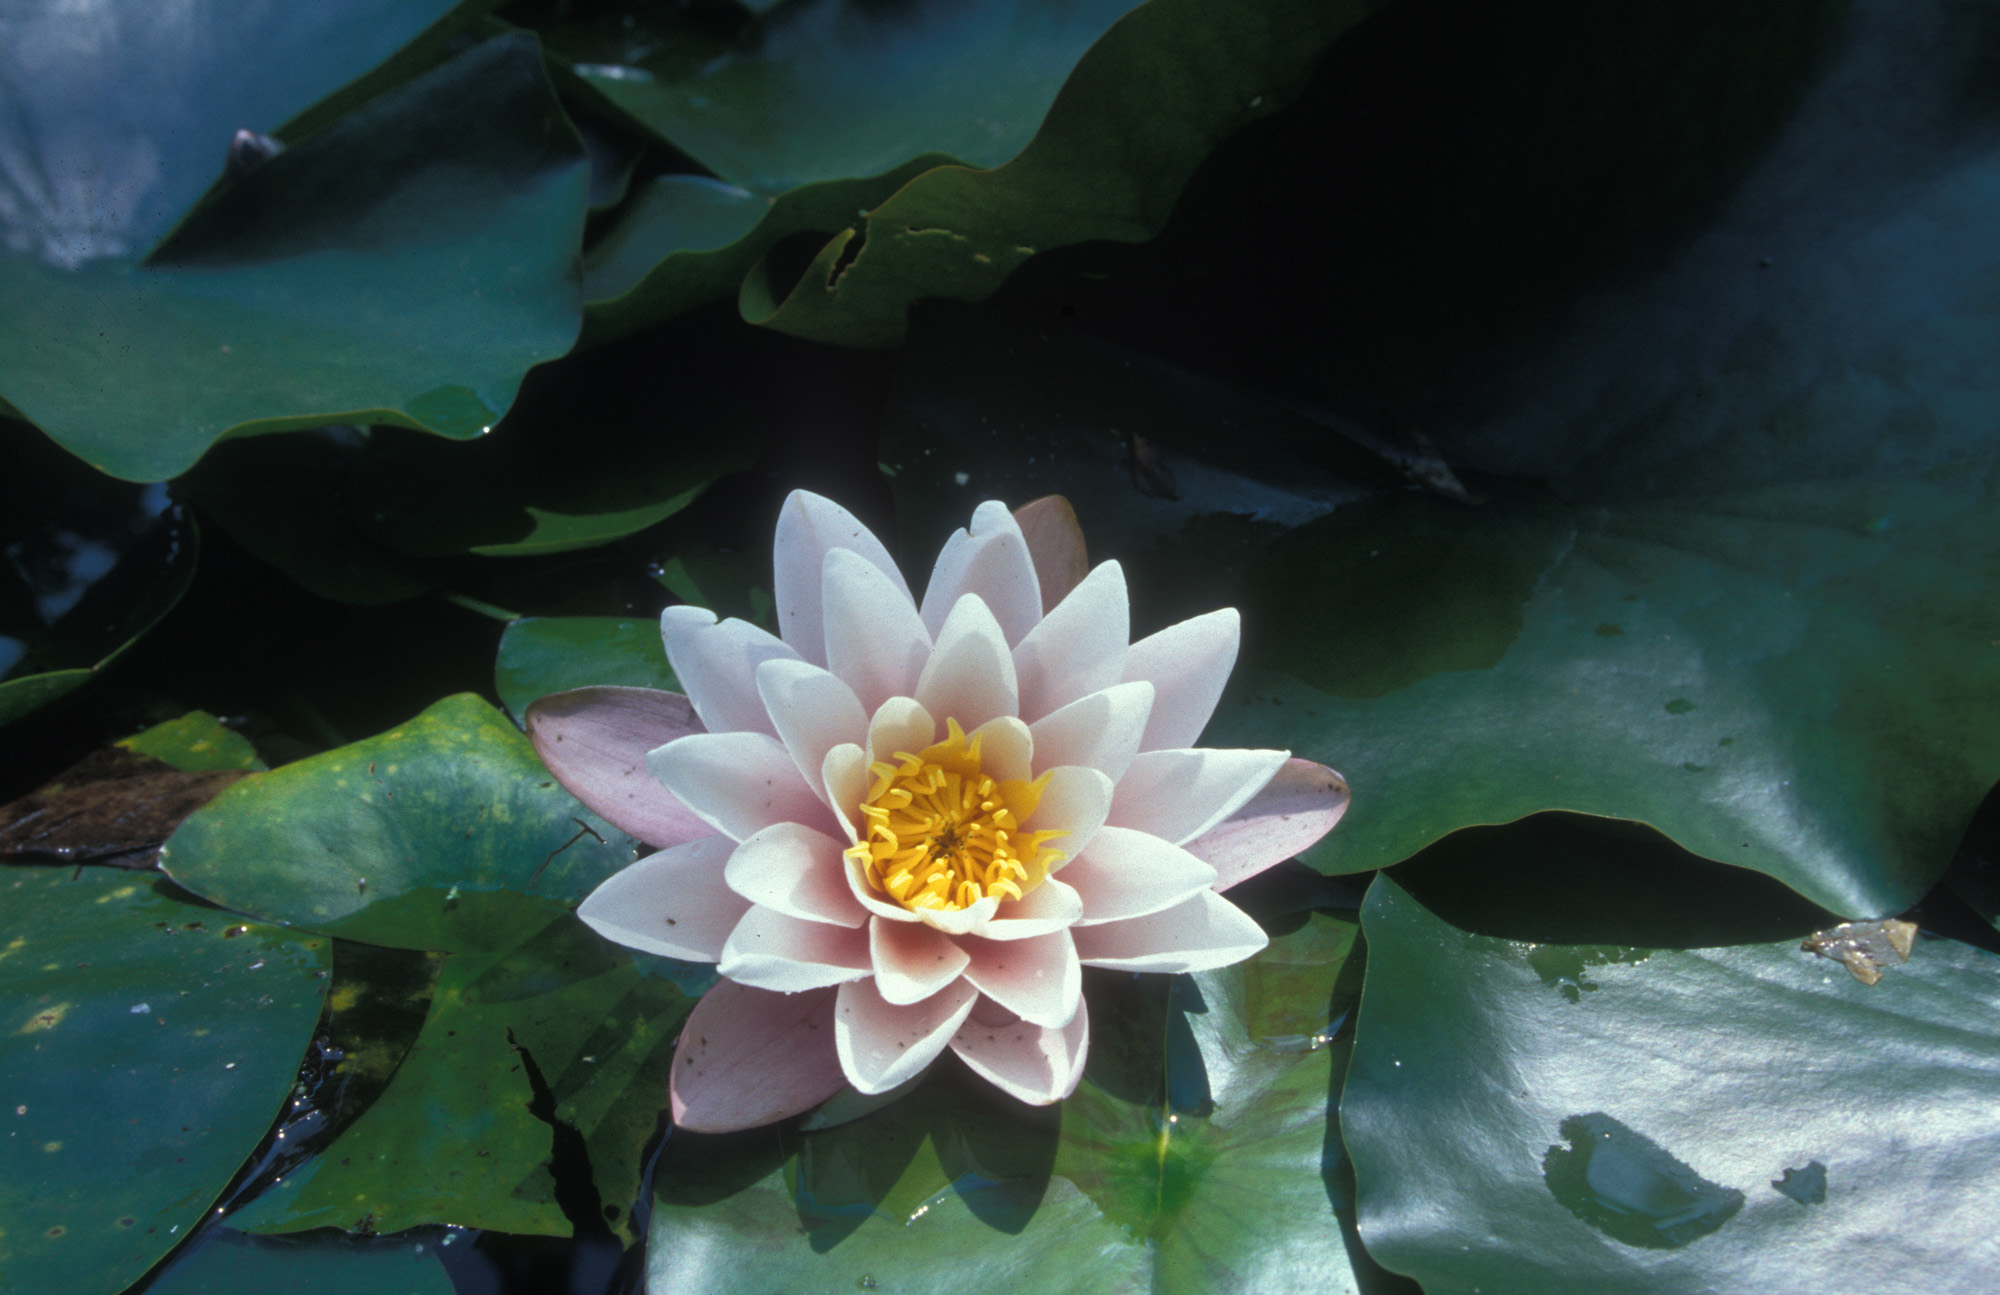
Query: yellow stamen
x,y
937,832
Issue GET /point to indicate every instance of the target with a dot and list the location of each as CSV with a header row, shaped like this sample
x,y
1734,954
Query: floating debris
x,y
1865,947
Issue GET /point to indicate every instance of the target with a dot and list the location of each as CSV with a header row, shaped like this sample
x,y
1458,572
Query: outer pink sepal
x,y
1297,807
594,740
749,1057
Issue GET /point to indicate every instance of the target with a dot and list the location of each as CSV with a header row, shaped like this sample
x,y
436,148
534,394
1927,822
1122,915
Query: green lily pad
x,y
406,264
1197,1155
833,89
230,1263
683,241
540,655
196,742
1107,164
445,833
455,1139
1743,1118
147,1046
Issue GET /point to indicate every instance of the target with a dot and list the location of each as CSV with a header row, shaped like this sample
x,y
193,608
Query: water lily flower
x,y
901,826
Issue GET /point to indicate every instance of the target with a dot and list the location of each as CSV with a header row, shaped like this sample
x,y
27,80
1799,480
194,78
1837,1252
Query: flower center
x,y
941,833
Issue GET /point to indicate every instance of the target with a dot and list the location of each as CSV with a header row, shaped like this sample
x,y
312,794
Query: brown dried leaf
x,y
1865,948
113,807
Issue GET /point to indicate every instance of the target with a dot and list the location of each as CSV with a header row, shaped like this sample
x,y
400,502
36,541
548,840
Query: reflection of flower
x,y
903,827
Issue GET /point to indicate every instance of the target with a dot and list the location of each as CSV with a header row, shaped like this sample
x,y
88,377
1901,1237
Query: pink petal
x,y
595,740
1051,906
1187,665
912,961
1074,801
1296,808
1037,978
1006,751
1036,1065
813,711
1127,874
1177,795
739,783
882,1045
900,725
989,559
791,869
748,1057
1101,730
675,903
716,661
875,639
1204,932
810,526
970,676
769,950
1055,544
1078,648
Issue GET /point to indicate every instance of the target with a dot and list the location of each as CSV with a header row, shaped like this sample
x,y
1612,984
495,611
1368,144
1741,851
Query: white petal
x,y
882,1045
845,777
989,559
960,921
768,950
1074,802
1127,874
791,869
970,676
1297,807
875,640
1178,795
1006,750
1051,906
912,961
1055,542
808,527
872,899
1079,647
1101,730
813,711
1038,978
900,725
674,903
739,783
1187,664
1204,932
1036,1065
716,663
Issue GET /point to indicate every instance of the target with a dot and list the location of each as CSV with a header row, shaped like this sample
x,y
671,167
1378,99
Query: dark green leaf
x,y
1564,1118
406,265
833,89
444,833
145,1047
1140,111
230,1263
541,655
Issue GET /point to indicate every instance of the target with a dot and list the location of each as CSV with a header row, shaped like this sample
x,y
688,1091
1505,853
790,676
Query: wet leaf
x,y
542,655
444,833
1661,1132
145,1048
452,1139
116,806
1198,1155
406,264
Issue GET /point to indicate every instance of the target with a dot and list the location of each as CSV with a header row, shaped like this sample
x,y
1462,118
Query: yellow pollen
x,y
939,833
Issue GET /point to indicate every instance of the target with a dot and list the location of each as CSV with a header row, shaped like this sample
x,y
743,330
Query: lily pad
x,y
1198,1155
540,655
1675,1128
196,742
1142,108
147,1048
231,1263
445,833
833,89
406,264
459,1135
